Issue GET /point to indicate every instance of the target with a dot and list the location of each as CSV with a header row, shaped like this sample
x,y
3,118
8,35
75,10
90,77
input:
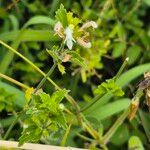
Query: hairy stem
x,y
45,77
121,68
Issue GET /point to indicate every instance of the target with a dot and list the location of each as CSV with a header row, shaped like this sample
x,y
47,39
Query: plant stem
x,y
121,68
84,137
14,81
12,125
93,101
115,126
122,117
64,140
45,77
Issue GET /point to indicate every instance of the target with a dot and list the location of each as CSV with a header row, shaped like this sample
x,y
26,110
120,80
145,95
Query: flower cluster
x,y
71,32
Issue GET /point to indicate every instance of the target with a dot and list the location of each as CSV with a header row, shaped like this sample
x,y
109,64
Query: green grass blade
x,y
29,35
110,109
132,74
39,20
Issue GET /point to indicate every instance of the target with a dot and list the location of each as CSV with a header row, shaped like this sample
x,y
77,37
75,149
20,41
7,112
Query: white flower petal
x,y
89,24
69,44
69,38
58,26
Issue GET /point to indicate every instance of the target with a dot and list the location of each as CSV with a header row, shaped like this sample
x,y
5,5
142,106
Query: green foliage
x,y
121,135
118,49
45,116
109,86
30,134
76,59
61,15
135,143
133,53
6,101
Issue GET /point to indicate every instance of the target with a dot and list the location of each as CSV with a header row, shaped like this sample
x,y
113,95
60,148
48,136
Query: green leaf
x,y
76,58
14,22
145,123
59,95
61,68
29,35
7,121
72,20
107,86
133,53
30,134
39,20
121,31
147,2
132,74
53,53
118,49
60,120
135,143
107,110
121,135
61,15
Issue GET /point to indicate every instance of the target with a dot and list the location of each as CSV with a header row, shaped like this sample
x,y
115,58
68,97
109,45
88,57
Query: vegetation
x,y
75,73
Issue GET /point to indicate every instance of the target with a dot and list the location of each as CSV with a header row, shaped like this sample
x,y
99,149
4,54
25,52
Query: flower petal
x,y
69,38
58,29
92,24
83,43
58,26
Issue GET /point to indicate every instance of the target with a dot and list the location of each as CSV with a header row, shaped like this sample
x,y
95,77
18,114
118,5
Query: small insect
x,y
146,82
145,85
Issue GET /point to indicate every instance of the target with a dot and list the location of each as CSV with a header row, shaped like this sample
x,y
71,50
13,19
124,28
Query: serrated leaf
x,y
30,134
72,20
60,121
61,15
59,95
54,55
61,68
107,86
76,58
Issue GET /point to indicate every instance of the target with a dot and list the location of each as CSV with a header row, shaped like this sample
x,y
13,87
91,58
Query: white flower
x,y
69,38
67,34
